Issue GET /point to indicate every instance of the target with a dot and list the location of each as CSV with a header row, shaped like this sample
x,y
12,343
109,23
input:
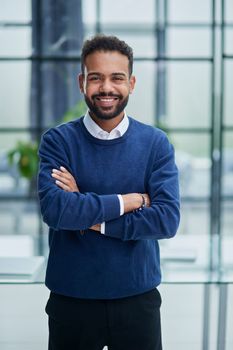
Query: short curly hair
x,y
103,42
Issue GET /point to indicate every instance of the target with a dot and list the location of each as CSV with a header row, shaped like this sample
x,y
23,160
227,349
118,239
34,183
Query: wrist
x,y
143,205
132,201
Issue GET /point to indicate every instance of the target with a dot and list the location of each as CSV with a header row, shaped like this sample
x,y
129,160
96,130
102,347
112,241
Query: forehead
x,y
106,62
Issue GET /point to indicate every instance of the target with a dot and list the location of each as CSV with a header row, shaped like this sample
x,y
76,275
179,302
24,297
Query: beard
x,y
106,113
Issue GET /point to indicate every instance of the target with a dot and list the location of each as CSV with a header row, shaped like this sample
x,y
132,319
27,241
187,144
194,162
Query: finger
x,y
63,186
64,169
61,178
66,174
61,175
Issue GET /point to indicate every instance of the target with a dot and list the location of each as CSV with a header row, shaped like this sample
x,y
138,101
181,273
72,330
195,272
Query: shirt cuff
x,y
102,228
122,208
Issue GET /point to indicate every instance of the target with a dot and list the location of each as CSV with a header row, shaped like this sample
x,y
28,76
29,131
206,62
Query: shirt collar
x,y
99,133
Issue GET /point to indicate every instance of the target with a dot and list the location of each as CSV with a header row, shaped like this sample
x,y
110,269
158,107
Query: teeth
x,y
107,99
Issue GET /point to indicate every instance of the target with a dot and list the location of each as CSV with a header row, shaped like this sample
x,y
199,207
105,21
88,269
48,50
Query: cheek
x,y
126,90
89,90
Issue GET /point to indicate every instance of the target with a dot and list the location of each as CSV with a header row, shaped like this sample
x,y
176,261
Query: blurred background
x,y
184,68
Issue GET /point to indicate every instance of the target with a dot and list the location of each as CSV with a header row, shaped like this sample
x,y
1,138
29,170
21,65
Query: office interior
x,y
183,52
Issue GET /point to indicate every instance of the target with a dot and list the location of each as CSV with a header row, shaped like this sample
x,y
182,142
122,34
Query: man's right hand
x,y
65,180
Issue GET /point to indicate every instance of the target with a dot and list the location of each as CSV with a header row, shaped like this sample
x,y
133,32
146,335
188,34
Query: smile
x,y
107,99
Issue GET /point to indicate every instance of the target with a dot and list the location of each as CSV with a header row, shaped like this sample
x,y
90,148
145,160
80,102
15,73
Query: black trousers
x,y
131,323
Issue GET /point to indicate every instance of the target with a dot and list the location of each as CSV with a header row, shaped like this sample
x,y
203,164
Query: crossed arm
x,y
132,201
64,207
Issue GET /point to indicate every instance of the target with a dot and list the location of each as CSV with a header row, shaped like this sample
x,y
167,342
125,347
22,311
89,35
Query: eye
x,y
94,78
118,78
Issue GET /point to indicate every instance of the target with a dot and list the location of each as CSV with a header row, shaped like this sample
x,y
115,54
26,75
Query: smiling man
x,y
108,189
106,83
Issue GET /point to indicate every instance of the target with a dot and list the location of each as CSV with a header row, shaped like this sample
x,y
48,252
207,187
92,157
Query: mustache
x,y
104,94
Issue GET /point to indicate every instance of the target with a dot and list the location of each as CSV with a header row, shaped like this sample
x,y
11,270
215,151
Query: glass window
x,y
11,181
89,13
143,42
228,164
188,42
61,28
142,100
227,237
188,94
15,10
193,161
228,10
194,219
127,11
19,217
15,42
60,90
228,100
228,41
189,11
15,93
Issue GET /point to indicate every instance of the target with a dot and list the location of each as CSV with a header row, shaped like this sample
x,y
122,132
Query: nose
x,y
105,86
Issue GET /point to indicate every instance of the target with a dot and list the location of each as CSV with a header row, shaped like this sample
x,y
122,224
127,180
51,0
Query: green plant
x,y
24,155
75,112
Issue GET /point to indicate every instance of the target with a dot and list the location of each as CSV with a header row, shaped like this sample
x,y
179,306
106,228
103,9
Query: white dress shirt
x,y
99,133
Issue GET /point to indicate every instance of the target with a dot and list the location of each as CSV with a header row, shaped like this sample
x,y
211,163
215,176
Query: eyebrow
x,y
113,74
120,73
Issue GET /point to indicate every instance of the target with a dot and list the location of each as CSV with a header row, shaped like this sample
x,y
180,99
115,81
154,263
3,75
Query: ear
x,y
81,82
132,82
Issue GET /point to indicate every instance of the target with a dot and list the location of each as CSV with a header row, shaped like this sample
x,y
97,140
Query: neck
x,y
107,125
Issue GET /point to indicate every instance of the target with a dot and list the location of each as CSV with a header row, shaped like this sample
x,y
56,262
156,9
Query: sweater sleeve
x,y
63,210
161,219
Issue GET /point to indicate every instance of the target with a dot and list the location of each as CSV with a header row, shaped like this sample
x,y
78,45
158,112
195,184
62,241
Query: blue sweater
x,y
125,261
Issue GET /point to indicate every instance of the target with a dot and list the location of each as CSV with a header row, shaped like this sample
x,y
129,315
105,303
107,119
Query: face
x,y
106,84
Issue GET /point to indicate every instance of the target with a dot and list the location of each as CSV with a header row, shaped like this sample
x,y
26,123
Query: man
x,y
108,188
